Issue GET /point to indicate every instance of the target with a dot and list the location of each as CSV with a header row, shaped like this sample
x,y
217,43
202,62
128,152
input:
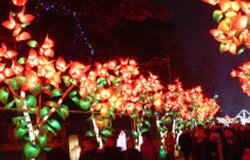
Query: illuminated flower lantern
x,y
101,93
32,85
233,32
244,75
233,29
141,98
182,108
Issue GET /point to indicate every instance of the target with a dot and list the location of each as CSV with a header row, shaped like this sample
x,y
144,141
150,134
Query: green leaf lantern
x,y
31,101
84,104
55,124
222,47
43,140
20,132
66,81
89,133
44,111
180,127
48,128
25,25
4,95
21,61
31,151
76,100
12,82
134,133
63,111
144,130
106,132
148,113
72,93
240,51
217,15
162,153
19,121
32,43
47,149
117,81
147,123
10,104
56,93
133,116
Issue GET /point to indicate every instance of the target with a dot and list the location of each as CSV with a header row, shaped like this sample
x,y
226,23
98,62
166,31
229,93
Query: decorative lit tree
x,y
100,93
140,99
36,85
244,75
233,28
180,108
233,32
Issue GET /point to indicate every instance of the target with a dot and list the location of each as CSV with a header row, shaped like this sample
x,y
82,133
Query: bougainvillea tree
x,y
233,32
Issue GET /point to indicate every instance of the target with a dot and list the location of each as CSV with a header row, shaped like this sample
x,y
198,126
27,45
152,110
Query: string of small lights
x,y
42,7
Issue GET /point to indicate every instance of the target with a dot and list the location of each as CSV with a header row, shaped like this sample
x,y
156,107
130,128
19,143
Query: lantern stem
x,y
52,110
32,132
97,131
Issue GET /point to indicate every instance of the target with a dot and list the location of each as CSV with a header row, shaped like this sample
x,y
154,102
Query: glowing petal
x,y
31,76
10,54
8,72
61,64
17,30
18,69
212,2
32,59
23,36
27,18
2,66
2,77
48,43
9,24
240,23
124,61
19,2
49,53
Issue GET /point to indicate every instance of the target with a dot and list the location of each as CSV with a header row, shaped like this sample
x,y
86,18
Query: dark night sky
x,y
193,20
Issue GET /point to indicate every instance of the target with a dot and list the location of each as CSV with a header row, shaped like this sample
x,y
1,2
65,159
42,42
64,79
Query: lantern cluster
x,y
190,104
233,27
244,75
39,84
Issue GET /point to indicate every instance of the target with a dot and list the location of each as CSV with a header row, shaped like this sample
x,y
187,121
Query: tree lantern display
x,y
37,85
244,75
233,32
181,108
100,92
233,28
141,97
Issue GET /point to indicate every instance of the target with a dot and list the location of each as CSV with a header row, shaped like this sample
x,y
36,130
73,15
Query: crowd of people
x,y
217,142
